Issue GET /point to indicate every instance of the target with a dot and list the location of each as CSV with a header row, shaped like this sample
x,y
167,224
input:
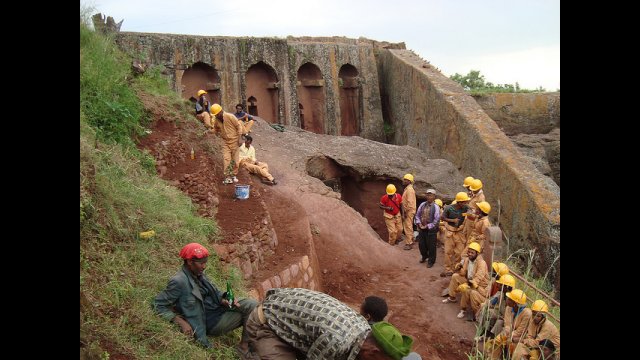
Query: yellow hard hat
x,y
438,201
484,206
475,246
462,196
500,268
507,280
476,185
200,92
540,305
408,177
467,181
215,109
391,189
518,296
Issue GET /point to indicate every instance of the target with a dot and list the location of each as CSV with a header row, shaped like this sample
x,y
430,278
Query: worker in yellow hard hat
x,y
391,203
497,270
441,229
490,317
516,321
467,182
476,195
408,210
480,225
454,240
202,109
229,128
472,282
540,328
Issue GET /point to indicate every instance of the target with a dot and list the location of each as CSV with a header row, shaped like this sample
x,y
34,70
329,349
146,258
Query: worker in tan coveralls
x,y
228,127
441,229
480,225
539,329
202,109
490,317
391,205
408,210
247,155
454,240
472,282
477,195
516,322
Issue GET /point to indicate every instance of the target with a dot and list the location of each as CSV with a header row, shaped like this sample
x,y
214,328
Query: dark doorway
x,y
349,100
310,87
201,76
262,86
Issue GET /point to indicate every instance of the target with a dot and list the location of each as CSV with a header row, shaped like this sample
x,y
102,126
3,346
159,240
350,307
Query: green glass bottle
x,y
230,295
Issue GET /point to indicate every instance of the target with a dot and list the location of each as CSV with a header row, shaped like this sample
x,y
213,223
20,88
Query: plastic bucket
x,y
242,192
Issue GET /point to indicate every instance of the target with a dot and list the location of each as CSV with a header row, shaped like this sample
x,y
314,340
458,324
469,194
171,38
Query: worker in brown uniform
x,y
490,317
408,210
516,322
441,229
480,225
392,218
202,109
472,282
539,329
229,128
477,195
454,240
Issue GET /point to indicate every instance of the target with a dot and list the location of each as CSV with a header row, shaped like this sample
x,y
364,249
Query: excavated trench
x,y
361,193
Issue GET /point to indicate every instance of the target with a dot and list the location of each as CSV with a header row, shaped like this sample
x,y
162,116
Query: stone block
x,y
285,276
305,262
276,281
294,270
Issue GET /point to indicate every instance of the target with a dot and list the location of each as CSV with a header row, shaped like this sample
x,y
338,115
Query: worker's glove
x,y
473,284
463,287
458,266
500,340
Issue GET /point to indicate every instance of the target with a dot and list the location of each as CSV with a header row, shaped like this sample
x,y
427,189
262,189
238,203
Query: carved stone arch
x,y
262,86
201,76
350,99
310,88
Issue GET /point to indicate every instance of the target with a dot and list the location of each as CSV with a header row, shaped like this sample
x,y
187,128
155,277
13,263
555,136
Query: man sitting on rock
x,y
247,154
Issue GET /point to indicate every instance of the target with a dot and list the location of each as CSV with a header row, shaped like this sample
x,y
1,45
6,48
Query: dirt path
x,y
354,261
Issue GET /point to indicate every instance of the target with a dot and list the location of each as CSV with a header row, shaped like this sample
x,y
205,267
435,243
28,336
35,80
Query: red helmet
x,y
194,250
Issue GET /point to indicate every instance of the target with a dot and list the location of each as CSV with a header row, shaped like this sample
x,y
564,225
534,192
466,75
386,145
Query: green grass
x,y
121,196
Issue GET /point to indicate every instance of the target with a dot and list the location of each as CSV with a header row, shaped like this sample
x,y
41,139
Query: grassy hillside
x,y
121,196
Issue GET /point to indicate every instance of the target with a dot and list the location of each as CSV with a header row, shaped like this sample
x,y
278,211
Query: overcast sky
x,y
507,40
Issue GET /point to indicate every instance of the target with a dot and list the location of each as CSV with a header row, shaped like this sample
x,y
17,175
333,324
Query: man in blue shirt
x,y
245,119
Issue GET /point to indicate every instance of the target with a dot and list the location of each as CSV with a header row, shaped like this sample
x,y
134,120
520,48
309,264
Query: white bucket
x,y
242,192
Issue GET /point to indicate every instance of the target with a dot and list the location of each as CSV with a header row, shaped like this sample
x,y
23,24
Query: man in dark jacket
x,y
428,220
196,305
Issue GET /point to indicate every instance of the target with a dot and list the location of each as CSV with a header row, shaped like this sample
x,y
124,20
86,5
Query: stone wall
x,y
431,112
301,274
247,254
232,57
522,113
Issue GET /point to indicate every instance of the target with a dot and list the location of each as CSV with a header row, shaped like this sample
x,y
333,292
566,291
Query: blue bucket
x,y
242,192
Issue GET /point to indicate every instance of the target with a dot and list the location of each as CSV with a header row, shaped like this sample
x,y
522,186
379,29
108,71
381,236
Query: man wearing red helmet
x,y
196,305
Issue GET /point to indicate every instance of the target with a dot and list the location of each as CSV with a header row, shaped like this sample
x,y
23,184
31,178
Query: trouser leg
x,y
407,225
431,240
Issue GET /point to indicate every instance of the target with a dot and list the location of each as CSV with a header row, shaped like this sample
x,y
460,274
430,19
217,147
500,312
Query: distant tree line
x,y
475,83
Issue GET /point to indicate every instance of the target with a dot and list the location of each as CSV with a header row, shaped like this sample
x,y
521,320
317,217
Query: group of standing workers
x,y
506,326
232,128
